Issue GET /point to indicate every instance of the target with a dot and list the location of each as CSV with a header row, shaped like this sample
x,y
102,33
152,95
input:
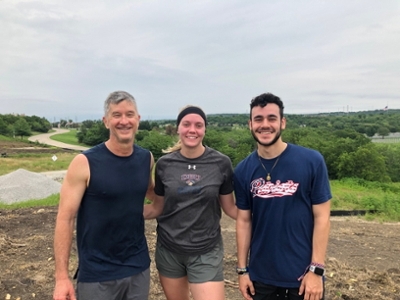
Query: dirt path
x,y
363,257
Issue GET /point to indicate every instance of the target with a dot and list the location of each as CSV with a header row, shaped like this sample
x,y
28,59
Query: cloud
x,y
216,54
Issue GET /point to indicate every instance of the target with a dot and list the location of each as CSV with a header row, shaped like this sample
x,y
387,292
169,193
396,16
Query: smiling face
x,y
191,131
122,120
266,125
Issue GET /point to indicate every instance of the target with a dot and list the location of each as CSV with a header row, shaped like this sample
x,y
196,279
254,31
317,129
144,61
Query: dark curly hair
x,y
263,99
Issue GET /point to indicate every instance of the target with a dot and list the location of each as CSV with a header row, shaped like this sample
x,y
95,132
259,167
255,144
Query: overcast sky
x,y
61,59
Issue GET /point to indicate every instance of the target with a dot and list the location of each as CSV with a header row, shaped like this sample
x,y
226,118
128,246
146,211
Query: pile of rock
x,y
22,185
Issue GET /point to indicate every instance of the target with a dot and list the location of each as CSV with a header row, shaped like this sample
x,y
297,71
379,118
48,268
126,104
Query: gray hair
x,y
117,97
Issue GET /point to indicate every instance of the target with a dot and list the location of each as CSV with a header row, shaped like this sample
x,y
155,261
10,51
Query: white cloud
x,y
315,55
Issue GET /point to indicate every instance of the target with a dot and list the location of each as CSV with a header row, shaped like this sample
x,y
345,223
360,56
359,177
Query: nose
x,y
192,128
265,122
124,119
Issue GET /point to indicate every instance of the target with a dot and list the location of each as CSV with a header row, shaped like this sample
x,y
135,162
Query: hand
x,y
312,286
246,286
64,290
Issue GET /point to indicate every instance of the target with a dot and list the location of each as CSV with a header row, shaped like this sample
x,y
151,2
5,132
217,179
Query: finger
x,y
301,288
252,289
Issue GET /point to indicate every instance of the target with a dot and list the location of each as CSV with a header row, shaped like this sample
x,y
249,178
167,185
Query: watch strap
x,y
242,271
317,270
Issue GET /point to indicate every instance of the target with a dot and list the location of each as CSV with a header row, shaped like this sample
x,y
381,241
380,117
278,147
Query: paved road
x,y
45,139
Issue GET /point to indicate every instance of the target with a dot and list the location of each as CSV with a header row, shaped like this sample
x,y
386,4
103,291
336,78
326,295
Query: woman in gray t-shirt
x,y
192,183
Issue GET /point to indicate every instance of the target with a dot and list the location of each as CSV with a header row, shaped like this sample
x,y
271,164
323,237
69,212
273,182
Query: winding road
x,y
45,139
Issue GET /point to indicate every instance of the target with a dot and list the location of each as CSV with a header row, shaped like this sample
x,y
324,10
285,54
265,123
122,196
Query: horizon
x,y
55,119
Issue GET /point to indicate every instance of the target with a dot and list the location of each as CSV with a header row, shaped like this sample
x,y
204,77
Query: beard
x,y
275,139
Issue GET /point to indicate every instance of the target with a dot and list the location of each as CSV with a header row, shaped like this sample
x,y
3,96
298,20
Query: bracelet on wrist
x,y
242,271
317,265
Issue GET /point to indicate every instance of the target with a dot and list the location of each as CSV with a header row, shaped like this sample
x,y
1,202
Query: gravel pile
x,y
22,185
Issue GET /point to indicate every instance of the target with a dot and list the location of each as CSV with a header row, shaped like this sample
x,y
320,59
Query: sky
x,y
61,59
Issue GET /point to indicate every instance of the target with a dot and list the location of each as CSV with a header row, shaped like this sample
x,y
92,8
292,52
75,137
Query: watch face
x,y
317,270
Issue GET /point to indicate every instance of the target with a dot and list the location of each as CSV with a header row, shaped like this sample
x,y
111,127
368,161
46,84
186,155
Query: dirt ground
x,y
363,257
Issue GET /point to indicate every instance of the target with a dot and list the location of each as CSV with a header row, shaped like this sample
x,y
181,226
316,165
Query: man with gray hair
x,y
104,189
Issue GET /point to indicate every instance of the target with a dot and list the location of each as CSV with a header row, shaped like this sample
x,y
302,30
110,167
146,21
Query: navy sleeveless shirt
x,y
110,224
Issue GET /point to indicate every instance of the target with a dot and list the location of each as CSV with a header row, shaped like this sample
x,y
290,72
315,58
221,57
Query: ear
x,y
105,121
250,124
283,123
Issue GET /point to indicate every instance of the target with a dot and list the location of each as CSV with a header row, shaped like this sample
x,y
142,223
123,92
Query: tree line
x,y
347,150
341,138
20,125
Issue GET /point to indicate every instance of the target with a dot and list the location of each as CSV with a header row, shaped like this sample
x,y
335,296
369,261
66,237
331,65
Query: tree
x,y
371,130
156,142
141,134
22,128
38,124
354,164
97,134
63,123
391,153
3,127
383,131
144,125
170,130
214,139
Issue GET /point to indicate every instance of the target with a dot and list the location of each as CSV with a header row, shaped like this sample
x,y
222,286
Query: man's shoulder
x,y
140,149
94,149
304,151
244,163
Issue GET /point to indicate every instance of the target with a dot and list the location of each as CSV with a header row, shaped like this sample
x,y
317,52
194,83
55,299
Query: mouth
x,y
125,130
265,132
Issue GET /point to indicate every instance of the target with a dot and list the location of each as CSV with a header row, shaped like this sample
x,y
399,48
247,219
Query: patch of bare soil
x,y
363,257
11,148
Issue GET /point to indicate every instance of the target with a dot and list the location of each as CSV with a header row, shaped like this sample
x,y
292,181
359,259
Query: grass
x,y
5,138
49,201
36,162
68,138
357,194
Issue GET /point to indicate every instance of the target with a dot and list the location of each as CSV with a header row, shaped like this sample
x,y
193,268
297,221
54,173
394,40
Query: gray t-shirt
x,y
190,222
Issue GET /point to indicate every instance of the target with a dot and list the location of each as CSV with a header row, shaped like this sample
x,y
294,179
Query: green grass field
x,y
36,162
68,138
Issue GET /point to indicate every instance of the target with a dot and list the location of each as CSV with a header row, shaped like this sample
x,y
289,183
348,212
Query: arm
x,y
72,190
153,210
312,284
228,205
150,189
243,236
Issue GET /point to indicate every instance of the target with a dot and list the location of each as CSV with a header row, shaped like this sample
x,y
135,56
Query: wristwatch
x,y
317,270
242,271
